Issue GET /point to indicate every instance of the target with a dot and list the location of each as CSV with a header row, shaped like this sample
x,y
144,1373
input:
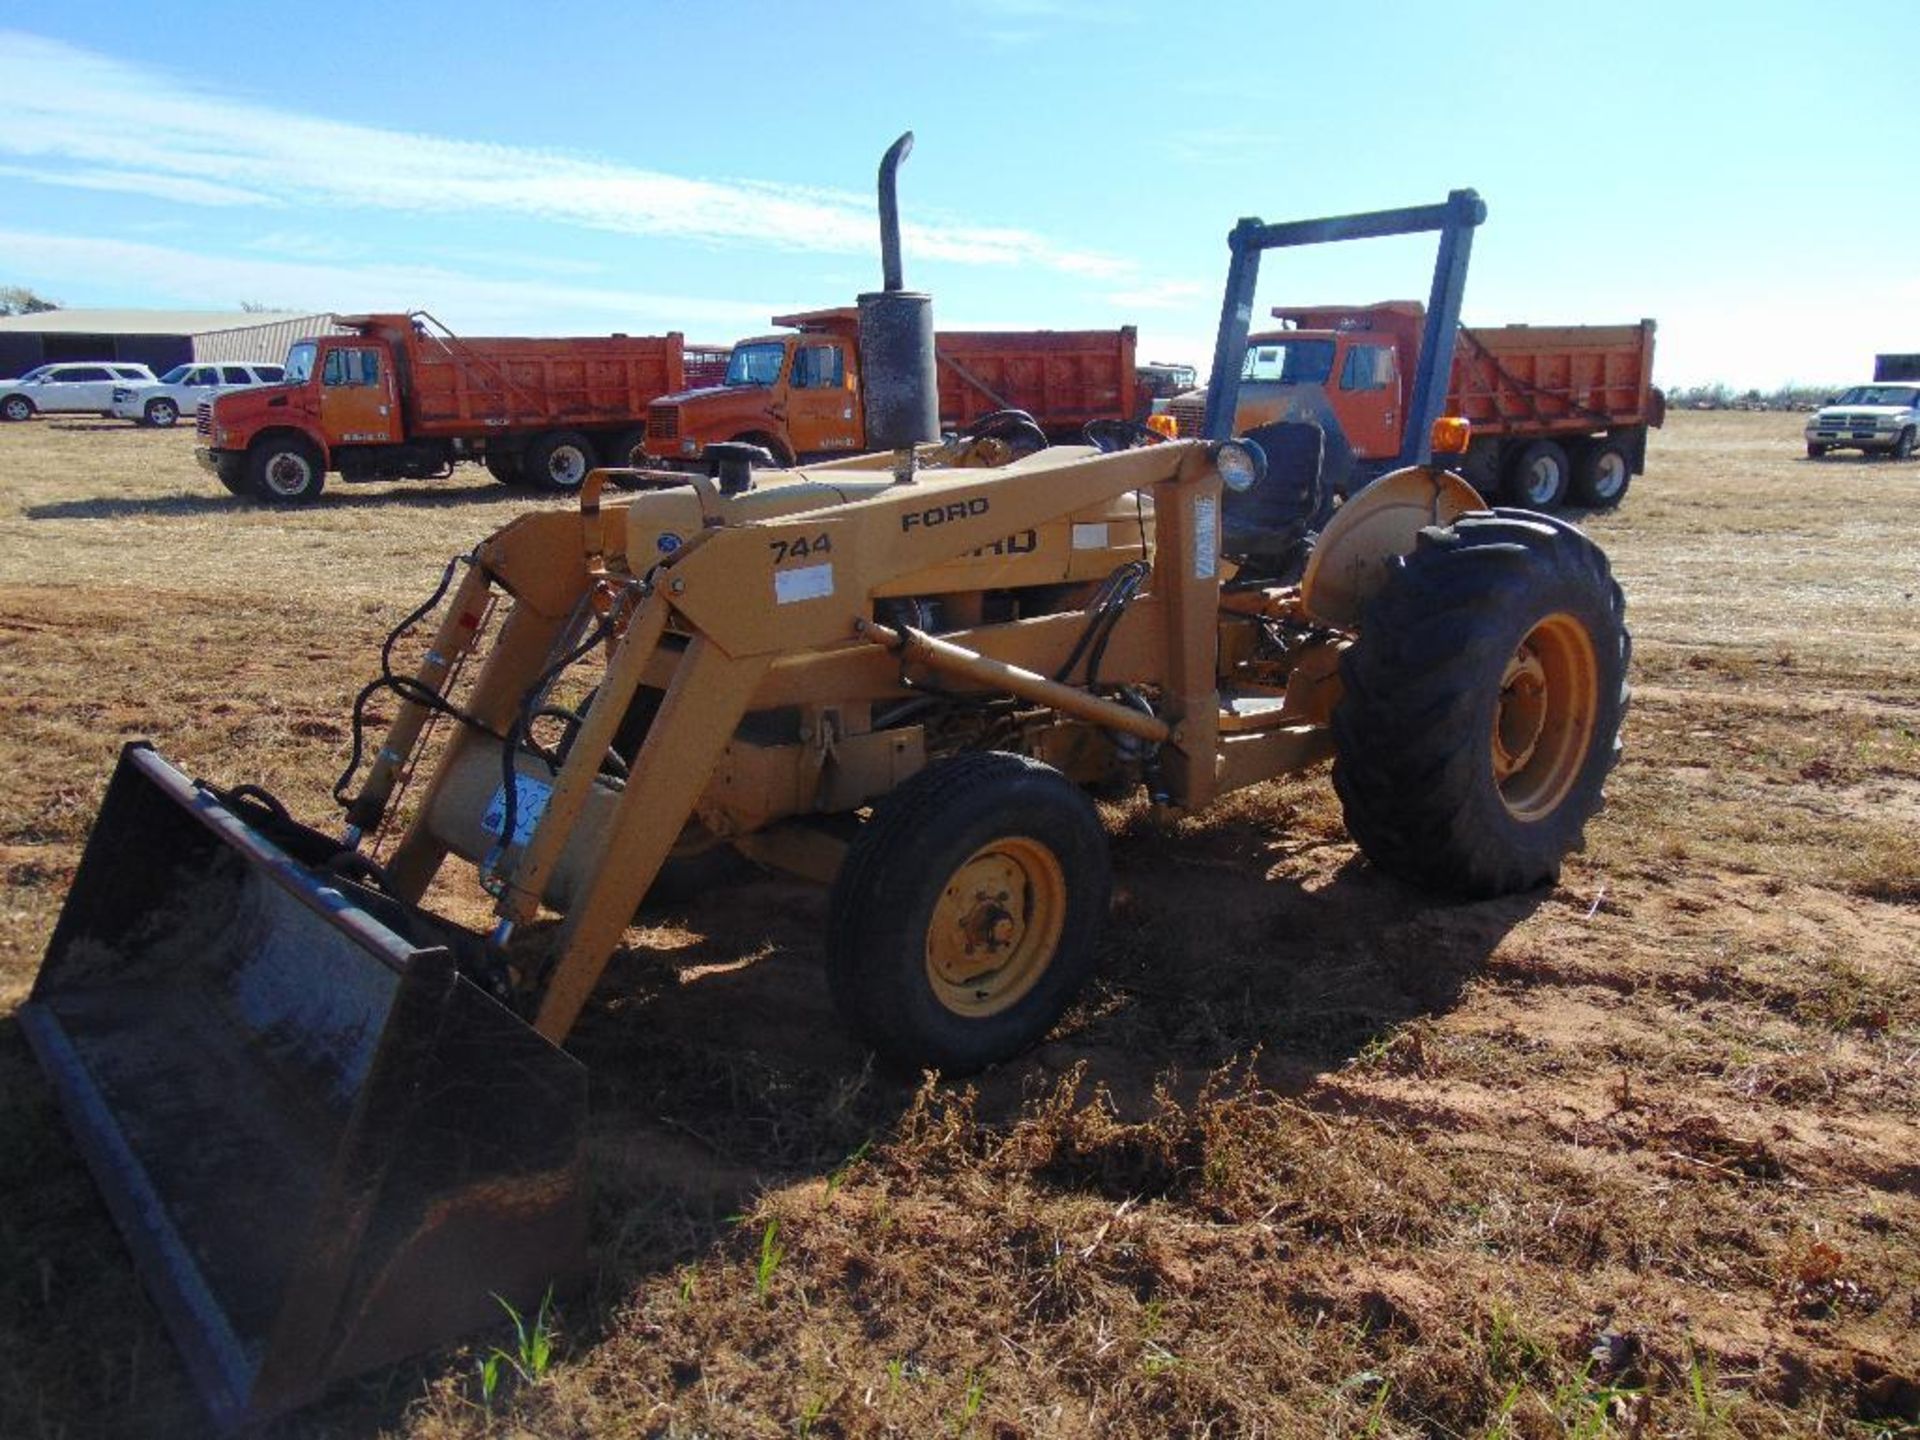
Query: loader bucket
x,y
325,1148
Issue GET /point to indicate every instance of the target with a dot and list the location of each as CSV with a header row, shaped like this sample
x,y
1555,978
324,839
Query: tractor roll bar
x,y
1455,219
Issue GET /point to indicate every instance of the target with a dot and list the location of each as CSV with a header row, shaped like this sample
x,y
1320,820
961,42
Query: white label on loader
x,y
1206,536
807,582
530,798
1090,537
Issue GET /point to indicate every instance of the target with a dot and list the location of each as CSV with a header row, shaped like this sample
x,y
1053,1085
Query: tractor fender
x,y
1350,560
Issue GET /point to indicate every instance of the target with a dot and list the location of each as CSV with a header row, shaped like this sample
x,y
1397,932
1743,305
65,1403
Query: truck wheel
x,y
504,467
16,408
285,469
963,921
1815,450
161,413
231,471
1601,474
1537,478
558,461
621,449
1482,705
1903,447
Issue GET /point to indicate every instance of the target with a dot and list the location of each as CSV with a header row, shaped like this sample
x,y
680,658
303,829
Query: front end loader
x,y
333,1123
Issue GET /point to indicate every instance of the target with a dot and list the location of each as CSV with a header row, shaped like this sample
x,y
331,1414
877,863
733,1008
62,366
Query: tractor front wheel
x,y
964,919
1482,705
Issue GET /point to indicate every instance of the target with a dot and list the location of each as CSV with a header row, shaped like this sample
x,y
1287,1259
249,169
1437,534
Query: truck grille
x,y
1191,412
203,420
663,422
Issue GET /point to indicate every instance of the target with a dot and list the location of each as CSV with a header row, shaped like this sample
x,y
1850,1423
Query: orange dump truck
x,y
798,394
1559,412
399,397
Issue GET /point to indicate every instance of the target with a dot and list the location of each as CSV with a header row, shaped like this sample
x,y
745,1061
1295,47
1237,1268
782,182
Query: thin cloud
x,y
1174,295
184,188
126,126
67,262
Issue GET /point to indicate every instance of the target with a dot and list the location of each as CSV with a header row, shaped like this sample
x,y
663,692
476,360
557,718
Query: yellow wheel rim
x,y
1543,728
996,926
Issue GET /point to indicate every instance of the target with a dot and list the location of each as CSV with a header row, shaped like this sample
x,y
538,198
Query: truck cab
x,y
1352,359
339,390
796,394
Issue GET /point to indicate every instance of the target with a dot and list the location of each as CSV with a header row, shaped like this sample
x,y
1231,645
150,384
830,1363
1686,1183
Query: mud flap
x,y
326,1149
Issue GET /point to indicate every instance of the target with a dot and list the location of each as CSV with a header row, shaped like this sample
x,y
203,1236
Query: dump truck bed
x,y
467,386
1515,380
1063,378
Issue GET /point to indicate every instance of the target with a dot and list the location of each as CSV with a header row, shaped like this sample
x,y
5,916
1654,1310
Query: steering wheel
x,y
1012,426
1110,435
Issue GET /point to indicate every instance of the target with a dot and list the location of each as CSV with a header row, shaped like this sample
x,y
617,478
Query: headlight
x,y
1241,463
689,447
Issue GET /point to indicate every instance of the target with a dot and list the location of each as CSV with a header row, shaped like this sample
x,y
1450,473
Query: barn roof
x,y
143,322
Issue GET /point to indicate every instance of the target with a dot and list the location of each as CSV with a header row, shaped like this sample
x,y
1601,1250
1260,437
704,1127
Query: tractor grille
x,y
203,420
1191,413
663,422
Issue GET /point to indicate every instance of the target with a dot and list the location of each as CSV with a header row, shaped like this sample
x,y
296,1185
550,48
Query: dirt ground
x,y
1316,1155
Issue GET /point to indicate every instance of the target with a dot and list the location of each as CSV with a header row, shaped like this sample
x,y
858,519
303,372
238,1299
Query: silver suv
x,y
72,389
1877,419
180,391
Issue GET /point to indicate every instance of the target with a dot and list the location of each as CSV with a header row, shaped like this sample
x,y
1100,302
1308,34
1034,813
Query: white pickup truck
x,y
1876,419
182,388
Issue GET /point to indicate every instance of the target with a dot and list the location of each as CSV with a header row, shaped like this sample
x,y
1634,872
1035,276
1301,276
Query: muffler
x,y
326,1148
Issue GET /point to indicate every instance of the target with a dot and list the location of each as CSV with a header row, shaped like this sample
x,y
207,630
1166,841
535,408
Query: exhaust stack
x,y
902,393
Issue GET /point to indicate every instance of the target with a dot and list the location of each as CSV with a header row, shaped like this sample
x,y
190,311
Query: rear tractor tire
x,y
1537,476
963,922
1482,706
286,470
558,462
1601,475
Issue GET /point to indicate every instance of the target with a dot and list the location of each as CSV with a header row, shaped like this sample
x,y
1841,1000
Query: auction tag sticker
x,y
530,798
1206,536
807,582
1090,537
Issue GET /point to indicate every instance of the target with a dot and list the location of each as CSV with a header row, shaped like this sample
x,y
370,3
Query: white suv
x,y
73,389
180,391
1869,418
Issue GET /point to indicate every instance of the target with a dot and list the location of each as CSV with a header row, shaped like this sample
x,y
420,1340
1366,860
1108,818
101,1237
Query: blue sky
x,y
580,168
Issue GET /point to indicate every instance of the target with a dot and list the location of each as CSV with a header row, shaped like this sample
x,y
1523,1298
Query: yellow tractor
x,y
333,1124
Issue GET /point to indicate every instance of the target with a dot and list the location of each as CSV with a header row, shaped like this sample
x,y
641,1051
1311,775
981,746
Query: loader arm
x,y
803,584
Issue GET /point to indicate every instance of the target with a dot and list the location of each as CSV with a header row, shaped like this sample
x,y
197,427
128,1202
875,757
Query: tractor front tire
x,y
964,920
1482,706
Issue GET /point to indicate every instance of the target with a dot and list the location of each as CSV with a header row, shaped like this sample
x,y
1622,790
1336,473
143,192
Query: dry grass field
x,y
1639,1156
